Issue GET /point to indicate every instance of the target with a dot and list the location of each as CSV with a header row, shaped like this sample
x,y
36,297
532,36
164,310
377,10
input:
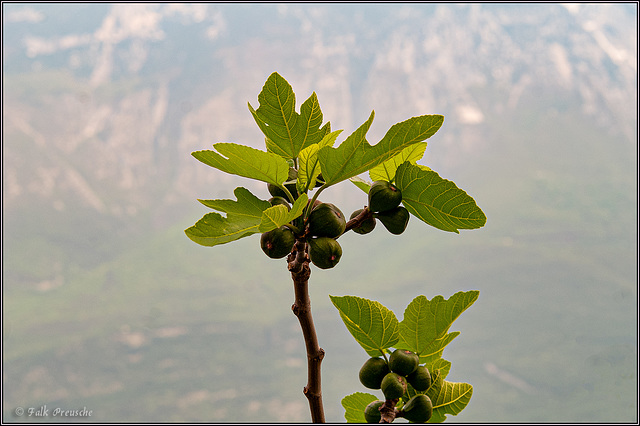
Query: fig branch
x,y
364,215
298,264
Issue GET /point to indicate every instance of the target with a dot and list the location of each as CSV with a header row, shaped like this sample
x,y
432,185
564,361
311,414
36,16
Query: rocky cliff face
x,y
102,105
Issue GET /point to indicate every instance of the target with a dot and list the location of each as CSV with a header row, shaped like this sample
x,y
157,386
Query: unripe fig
x,y
403,362
372,412
279,200
384,196
418,409
420,379
293,174
278,242
365,227
324,252
395,220
393,386
326,220
372,372
276,191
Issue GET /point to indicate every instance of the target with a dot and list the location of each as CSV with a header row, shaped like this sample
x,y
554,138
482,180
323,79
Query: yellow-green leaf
x,y
278,215
361,183
451,398
387,170
246,161
308,166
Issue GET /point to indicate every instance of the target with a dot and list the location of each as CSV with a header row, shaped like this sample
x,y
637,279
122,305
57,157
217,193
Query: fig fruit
x,y
372,412
278,242
395,220
393,386
324,252
326,220
420,379
366,226
403,362
384,196
372,372
276,191
418,409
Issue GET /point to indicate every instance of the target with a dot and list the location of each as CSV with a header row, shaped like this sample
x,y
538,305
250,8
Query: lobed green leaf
x,y
287,132
246,161
425,324
436,201
244,217
355,155
373,326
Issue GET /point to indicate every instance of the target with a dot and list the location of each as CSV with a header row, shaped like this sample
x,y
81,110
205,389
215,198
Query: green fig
x,y
279,200
395,220
372,412
365,227
324,252
420,379
418,409
403,362
276,191
372,372
326,220
393,386
384,196
293,174
278,242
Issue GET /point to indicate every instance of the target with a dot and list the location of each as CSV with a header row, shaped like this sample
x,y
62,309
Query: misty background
x,y
108,305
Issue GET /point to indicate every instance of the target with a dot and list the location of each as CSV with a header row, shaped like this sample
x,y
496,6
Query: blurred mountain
x,y
103,103
107,304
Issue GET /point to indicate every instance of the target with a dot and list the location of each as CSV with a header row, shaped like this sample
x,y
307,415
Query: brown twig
x,y
388,411
298,264
365,214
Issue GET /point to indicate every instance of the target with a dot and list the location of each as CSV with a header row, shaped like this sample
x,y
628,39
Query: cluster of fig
x,y
392,377
325,222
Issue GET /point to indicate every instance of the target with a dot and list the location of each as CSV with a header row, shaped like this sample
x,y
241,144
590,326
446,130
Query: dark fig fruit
x,y
278,242
372,412
418,410
403,362
326,220
393,386
293,174
366,226
372,372
384,196
324,252
395,220
420,379
276,191
279,200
